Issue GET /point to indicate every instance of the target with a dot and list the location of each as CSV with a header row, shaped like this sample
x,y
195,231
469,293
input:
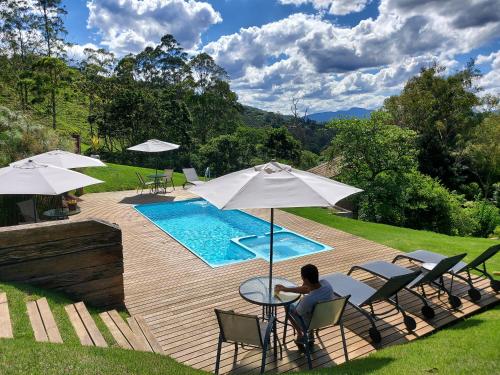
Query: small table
x,y
157,178
60,213
256,291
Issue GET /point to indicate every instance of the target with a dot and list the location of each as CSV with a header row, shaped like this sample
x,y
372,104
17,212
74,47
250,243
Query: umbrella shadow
x,y
146,198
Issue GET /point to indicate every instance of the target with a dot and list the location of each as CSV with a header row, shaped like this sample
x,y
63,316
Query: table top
x,y
61,212
157,175
256,291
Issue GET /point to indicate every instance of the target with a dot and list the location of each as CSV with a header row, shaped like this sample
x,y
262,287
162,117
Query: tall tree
x,y
441,110
206,73
52,28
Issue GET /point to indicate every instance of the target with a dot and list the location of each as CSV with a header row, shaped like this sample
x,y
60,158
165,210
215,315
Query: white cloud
x,y
490,81
130,25
337,67
75,52
336,7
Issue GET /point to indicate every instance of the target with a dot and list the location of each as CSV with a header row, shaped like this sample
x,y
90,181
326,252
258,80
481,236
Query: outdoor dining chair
x,y
425,256
245,330
168,179
325,314
144,184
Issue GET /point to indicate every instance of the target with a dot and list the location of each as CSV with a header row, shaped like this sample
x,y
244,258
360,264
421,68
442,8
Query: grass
x,y
121,177
403,239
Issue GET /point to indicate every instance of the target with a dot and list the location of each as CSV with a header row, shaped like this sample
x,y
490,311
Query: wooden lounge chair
x,y
191,177
362,295
425,256
243,329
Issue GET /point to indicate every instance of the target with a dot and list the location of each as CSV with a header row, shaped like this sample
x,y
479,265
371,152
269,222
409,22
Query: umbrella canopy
x,y
41,179
273,185
154,145
63,159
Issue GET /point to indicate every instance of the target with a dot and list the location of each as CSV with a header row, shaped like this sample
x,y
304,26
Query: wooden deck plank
x,y
48,321
182,320
90,326
139,334
36,322
150,338
5,323
115,331
134,342
78,326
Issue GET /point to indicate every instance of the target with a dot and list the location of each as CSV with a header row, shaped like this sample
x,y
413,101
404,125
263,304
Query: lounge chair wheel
x,y
428,312
375,335
474,294
454,301
495,285
410,323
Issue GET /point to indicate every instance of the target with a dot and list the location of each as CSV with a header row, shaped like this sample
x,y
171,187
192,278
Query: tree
x,y
52,28
441,111
280,145
206,73
483,153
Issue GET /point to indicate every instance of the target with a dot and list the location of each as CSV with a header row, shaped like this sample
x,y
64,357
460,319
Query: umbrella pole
x,y
271,240
34,208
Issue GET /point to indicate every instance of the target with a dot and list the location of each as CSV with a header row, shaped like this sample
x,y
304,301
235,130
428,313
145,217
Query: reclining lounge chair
x,y
362,295
191,177
433,277
425,256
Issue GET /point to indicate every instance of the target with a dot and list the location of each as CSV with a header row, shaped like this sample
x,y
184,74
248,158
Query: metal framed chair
x,y
168,179
191,177
144,184
362,295
425,256
325,314
243,329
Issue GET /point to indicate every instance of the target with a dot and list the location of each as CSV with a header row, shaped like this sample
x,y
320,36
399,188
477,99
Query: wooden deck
x,y
175,292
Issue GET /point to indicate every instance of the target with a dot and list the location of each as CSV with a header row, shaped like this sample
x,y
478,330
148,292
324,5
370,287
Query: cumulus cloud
x,y
490,81
127,26
336,7
75,52
333,66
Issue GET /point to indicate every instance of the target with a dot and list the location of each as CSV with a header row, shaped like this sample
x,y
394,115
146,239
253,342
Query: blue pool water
x,y
221,237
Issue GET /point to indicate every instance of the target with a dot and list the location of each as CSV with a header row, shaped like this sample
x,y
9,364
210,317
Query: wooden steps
x,y
84,325
42,321
135,335
5,323
141,330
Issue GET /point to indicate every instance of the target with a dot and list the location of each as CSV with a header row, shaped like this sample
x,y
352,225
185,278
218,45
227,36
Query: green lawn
x,y
403,239
121,177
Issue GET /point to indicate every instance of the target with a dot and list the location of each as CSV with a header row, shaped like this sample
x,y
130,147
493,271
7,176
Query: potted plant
x,y
71,204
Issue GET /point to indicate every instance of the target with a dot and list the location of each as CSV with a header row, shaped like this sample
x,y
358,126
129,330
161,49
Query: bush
x,y
485,217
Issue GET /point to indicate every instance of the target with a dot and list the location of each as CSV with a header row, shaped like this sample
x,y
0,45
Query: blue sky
x,y
332,54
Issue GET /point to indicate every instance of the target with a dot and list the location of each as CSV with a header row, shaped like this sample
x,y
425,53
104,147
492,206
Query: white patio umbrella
x,y
154,146
41,179
273,185
63,159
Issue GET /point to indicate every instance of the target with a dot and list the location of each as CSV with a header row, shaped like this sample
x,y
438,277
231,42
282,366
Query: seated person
x,y
314,291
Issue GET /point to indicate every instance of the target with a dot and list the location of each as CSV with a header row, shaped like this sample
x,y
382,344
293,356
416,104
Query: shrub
x,y
485,216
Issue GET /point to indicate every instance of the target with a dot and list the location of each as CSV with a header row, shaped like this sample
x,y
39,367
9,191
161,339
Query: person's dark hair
x,y
310,272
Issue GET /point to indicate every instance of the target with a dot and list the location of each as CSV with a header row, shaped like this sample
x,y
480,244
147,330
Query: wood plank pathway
x,y
175,292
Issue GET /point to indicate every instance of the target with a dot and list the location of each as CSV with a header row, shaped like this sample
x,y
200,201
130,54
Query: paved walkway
x,y
176,292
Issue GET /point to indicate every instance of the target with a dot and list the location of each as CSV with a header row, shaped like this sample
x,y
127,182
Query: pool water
x,y
221,237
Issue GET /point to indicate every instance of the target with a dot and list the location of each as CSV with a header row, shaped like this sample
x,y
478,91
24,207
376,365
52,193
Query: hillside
x,y
352,112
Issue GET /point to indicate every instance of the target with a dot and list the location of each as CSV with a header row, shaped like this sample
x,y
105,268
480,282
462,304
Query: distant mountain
x,y
352,112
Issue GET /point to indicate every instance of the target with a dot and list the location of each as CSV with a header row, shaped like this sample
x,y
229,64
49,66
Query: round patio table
x,y
157,178
256,291
60,213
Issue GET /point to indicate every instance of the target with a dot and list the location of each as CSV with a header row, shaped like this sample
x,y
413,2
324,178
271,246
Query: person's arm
x,y
298,289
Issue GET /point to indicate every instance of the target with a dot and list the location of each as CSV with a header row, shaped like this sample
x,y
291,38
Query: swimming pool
x,y
221,237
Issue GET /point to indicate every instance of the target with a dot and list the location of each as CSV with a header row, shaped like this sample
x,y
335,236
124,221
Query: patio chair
x,y
243,329
362,295
144,184
433,278
425,256
191,177
168,179
325,314
27,209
